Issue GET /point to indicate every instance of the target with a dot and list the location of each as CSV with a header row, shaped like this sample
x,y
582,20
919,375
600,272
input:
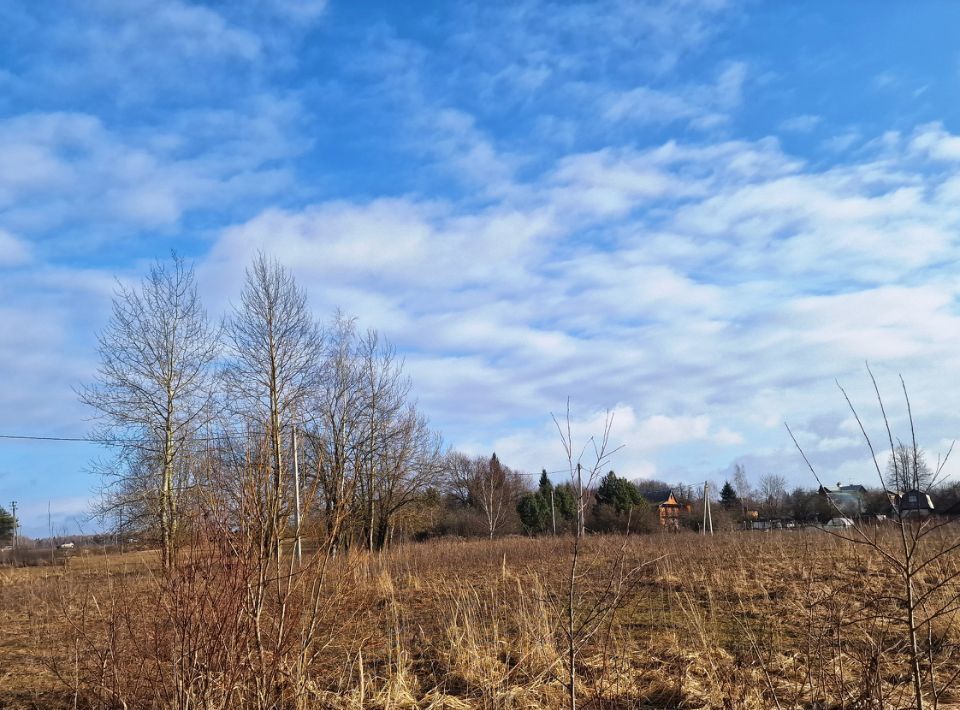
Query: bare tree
x,y
919,553
742,485
276,348
486,485
907,469
384,390
773,493
588,461
154,381
409,465
336,423
369,450
397,456
458,471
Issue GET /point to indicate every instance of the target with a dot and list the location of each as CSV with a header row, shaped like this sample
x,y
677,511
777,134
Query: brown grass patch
x,y
735,621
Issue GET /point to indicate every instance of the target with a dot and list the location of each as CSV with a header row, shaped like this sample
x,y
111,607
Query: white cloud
x,y
633,441
648,105
300,10
842,141
703,106
79,169
935,142
804,123
500,217
13,251
705,301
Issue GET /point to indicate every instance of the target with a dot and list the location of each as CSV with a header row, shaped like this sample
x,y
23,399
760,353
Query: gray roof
x,y
852,489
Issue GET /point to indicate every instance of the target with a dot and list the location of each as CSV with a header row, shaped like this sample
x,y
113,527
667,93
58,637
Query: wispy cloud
x,y
534,200
726,305
701,106
13,251
804,123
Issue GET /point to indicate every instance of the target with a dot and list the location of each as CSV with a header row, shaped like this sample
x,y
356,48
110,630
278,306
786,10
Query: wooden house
x,y
669,509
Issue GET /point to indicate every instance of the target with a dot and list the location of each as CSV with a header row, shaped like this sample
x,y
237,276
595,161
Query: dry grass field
x,y
794,619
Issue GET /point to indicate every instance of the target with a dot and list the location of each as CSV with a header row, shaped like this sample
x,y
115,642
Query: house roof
x,y
657,497
852,489
915,500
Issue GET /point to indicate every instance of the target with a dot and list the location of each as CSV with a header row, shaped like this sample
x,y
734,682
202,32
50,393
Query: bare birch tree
x,y
154,381
397,455
276,347
486,485
773,493
335,423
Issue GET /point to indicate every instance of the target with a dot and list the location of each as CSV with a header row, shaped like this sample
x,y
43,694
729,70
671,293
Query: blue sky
x,y
698,214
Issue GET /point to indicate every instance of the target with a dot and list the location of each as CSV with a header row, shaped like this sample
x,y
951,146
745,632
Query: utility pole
x,y
16,524
709,516
703,530
707,513
296,498
553,512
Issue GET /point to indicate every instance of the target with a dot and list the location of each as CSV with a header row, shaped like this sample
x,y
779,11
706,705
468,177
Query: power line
x,y
119,442
26,437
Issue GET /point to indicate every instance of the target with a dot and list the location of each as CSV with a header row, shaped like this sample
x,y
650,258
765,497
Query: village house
x,y
669,509
911,504
849,500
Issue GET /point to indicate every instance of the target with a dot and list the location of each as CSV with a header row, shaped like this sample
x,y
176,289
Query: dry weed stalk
x,y
227,625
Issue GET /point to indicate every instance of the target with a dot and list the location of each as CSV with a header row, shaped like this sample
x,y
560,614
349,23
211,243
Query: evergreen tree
x,y
565,500
6,524
728,496
545,485
534,512
619,493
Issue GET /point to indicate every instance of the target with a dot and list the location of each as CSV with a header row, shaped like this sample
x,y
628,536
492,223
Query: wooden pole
x,y
706,504
709,514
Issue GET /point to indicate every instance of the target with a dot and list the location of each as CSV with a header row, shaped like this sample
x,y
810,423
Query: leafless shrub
x,y
922,556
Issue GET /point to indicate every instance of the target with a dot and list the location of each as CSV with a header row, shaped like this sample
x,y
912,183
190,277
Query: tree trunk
x,y
914,646
166,489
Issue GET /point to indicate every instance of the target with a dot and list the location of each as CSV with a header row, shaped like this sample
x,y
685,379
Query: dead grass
x,y
736,621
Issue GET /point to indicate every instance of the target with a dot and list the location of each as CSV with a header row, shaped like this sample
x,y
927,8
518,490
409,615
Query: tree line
x,y
272,420
255,419
269,417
